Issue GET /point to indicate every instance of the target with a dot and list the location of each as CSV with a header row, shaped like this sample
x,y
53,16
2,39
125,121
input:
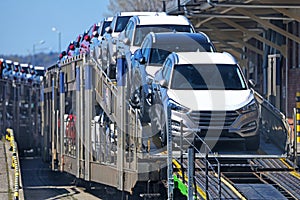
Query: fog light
x,y
249,127
251,124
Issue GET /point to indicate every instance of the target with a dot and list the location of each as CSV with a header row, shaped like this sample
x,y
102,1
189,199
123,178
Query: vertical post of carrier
x,y
53,119
190,173
121,82
297,122
89,105
170,157
78,80
62,109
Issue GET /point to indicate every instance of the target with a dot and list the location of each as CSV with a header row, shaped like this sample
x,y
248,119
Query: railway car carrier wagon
x,y
90,130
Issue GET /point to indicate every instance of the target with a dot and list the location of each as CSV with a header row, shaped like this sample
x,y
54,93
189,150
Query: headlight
x,y
177,107
252,106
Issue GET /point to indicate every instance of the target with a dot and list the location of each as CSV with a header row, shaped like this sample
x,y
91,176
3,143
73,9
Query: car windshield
x,y
105,25
40,72
121,23
159,53
207,77
142,31
10,66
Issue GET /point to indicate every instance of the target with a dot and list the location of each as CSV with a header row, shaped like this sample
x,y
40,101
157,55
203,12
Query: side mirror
x,y
252,83
142,60
126,41
163,83
137,55
108,30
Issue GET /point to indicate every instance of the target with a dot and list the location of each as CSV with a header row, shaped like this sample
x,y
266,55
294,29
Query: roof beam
x,y
288,13
229,37
256,36
268,24
222,12
245,5
238,50
204,15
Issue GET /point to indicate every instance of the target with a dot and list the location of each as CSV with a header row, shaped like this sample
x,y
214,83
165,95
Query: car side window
x,y
129,30
146,49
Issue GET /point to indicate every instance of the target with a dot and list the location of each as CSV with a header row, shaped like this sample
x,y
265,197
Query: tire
x,y
144,107
112,72
103,62
252,143
134,102
158,126
163,136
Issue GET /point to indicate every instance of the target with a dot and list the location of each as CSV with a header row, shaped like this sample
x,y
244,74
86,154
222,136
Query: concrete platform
x,y
5,189
7,173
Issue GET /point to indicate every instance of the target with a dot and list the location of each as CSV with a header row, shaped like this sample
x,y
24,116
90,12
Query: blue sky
x,y
24,23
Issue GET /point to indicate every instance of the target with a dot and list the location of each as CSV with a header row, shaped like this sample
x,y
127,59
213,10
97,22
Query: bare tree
x,y
134,5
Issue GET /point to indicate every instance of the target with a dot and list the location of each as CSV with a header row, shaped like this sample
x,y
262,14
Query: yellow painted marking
x,y
199,190
293,172
286,164
149,143
231,187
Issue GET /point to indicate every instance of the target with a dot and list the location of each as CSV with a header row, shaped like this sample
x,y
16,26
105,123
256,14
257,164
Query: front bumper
x,y
215,125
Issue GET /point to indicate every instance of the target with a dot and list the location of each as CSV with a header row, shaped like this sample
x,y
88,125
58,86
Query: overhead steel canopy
x,y
232,23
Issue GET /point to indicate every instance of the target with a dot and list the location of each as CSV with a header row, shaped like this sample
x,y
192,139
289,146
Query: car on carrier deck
x,y
150,57
208,96
108,44
138,27
96,44
40,73
7,71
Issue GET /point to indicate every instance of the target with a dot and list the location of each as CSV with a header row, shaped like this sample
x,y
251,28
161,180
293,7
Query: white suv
x,y
207,92
119,22
139,26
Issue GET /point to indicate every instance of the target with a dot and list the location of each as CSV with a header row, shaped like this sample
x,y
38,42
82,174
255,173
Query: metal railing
x,y
274,124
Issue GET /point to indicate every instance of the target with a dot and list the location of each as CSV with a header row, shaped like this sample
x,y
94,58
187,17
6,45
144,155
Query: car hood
x,y
213,100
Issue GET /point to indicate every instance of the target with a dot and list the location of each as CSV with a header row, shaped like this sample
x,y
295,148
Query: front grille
x,y
210,119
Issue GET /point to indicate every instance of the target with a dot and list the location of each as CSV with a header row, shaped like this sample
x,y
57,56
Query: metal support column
x,y
80,118
181,151
190,173
42,118
273,89
4,104
88,116
36,116
17,114
62,112
78,113
14,108
53,119
121,124
206,172
170,157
